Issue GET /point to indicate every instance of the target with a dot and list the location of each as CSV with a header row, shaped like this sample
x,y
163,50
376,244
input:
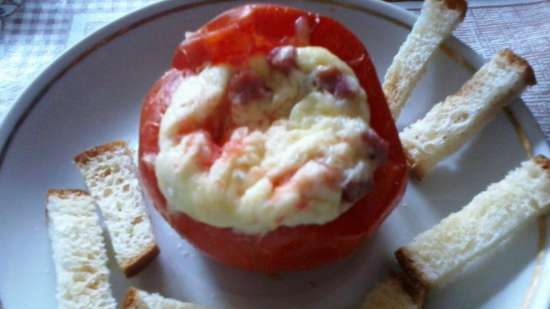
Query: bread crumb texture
x,y
112,179
438,254
451,123
436,22
78,251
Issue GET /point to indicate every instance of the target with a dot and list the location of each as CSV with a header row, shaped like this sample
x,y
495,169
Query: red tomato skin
x,y
231,38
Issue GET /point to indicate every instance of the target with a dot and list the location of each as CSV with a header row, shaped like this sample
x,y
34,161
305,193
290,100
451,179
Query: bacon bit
x,y
217,124
282,58
214,124
356,190
334,81
185,127
378,148
246,86
377,153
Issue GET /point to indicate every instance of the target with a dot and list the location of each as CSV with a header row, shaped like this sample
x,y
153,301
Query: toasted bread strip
x,y
79,253
449,124
436,22
137,299
112,179
437,255
395,292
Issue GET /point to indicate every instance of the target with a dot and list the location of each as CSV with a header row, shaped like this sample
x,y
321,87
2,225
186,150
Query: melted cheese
x,y
287,156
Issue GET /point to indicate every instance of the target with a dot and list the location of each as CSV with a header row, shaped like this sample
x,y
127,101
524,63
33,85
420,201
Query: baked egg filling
x,y
282,140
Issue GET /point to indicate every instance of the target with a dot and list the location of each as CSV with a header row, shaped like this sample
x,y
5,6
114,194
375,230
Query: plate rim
x,y
27,101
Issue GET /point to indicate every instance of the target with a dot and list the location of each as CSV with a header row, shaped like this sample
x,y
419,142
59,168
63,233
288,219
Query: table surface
x,y
34,33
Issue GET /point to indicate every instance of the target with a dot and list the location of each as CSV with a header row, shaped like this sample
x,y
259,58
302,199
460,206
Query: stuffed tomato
x,y
269,144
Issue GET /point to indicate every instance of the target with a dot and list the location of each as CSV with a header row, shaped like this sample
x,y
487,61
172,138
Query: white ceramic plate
x,y
93,94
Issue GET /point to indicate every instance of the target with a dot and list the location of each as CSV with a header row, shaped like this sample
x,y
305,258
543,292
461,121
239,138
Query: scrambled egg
x,y
286,158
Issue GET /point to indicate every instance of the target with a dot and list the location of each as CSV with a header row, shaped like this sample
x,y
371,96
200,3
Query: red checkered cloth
x,y
39,31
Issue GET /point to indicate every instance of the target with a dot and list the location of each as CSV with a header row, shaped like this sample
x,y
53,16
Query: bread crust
x,y
140,262
405,259
520,63
505,58
131,299
84,157
64,193
457,5
396,291
415,289
415,168
543,162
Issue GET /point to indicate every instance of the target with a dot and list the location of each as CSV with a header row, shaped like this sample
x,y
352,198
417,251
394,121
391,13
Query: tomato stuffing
x,y
232,38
